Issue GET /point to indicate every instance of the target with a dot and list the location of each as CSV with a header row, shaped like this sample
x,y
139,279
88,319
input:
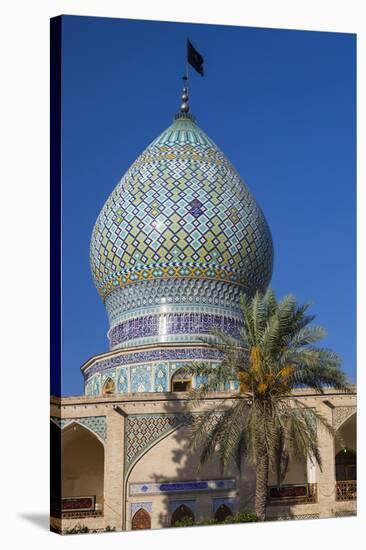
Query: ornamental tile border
x,y
173,487
157,340
136,506
154,355
150,377
171,324
184,295
96,424
181,308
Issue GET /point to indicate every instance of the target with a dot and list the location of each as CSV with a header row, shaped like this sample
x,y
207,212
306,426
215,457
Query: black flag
x,y
194,58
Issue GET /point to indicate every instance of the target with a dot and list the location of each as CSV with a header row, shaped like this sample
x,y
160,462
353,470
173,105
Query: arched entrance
x,y
141,520
345,460
222,512
82,467
181,513
182,380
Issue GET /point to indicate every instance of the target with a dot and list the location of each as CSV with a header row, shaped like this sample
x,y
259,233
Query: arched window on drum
x,y
109,387
181,380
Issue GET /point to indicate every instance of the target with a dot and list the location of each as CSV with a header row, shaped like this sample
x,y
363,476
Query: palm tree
x,y
258,421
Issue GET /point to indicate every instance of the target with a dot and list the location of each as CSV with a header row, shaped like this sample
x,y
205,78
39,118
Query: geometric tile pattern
x,y
96,424
93,387
143,430
161,373
187,295
122,380
141,378
340,414
201,379
153,377
181,210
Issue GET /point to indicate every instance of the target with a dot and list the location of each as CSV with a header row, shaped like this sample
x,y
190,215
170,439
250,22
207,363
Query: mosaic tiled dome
x,y
182,232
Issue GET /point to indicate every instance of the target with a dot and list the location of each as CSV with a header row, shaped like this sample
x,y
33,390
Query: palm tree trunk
x,y
261,482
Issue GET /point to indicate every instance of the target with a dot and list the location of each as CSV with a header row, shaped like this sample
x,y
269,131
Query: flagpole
x,y
185,106
187,60
187,75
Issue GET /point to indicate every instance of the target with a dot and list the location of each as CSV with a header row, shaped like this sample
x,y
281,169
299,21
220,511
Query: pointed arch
x,y
181,380
345,458
182,512
99,432
222,512
345,449
109,387
141,520
82,465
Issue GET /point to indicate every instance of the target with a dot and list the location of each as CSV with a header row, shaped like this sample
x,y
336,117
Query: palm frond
x,y
276,354
219,433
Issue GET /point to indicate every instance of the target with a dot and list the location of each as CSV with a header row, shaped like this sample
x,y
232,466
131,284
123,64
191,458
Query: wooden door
x,y
141,520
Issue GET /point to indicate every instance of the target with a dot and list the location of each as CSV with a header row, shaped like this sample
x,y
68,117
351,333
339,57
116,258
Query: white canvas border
x,y
24,228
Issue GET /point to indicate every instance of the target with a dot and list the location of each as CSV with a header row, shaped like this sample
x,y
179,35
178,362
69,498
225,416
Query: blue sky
x,y
281,106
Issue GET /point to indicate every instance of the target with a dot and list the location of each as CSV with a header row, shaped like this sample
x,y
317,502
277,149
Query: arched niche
x,y
182,512
181,380
141,520
345,460
82,464
222,512
109,387
346,434
346,467
178,464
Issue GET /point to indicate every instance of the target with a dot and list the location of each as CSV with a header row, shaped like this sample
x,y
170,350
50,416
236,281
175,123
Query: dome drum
x,y
148,354
169,327
169,295
155,377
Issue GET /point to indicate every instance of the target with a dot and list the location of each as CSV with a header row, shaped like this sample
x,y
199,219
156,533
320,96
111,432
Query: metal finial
x,y
184,108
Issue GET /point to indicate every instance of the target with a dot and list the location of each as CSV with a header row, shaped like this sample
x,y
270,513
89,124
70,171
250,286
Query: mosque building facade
x,y
176,243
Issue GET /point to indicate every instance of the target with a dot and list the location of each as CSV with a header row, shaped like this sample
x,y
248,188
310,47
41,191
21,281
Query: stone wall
x,y
144,438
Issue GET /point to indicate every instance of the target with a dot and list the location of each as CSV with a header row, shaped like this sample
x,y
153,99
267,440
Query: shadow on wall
x,y
184,498
170,460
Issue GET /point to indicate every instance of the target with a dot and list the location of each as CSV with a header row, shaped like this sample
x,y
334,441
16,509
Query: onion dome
x,y
177,241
